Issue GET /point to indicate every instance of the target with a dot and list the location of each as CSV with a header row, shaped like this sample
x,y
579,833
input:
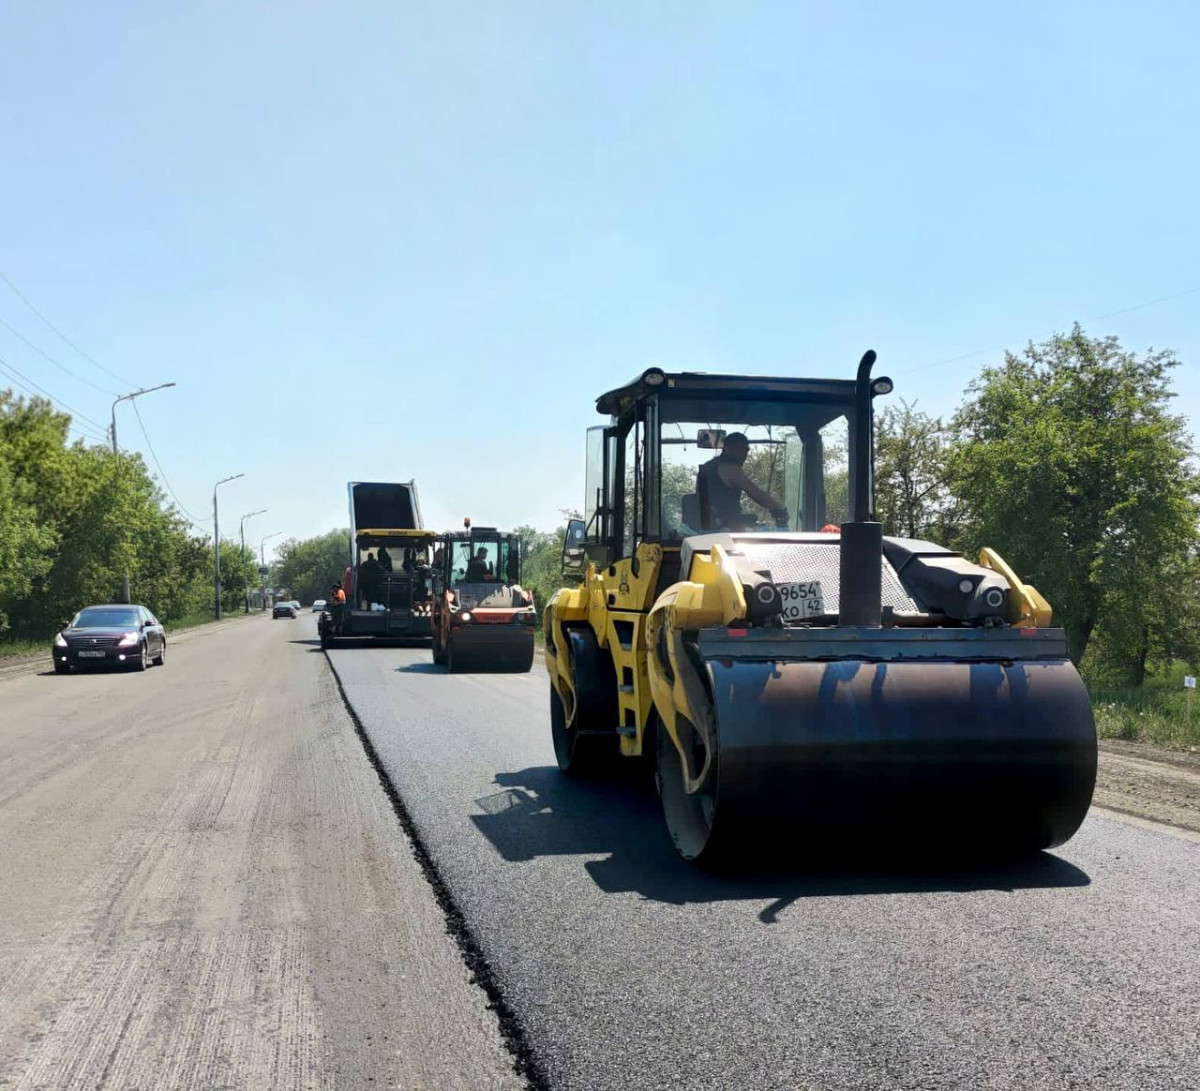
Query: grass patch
x,y
13,649
1154,713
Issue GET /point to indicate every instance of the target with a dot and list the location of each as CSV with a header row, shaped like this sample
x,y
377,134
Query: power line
x,y
18,376
72,427
1096,318
1151,303
61,366
161,472
84,430
96,363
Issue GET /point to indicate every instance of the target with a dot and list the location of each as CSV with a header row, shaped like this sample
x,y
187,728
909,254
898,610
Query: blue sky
x,y
384,240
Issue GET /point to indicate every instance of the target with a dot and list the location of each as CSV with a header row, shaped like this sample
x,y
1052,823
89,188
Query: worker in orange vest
x,y
337,607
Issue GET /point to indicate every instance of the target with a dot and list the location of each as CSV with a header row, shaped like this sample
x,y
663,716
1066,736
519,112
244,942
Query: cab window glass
x,y
476,561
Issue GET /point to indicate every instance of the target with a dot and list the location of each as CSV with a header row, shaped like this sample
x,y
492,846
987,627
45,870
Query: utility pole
x,y
217,548
243,534
129,398
262,560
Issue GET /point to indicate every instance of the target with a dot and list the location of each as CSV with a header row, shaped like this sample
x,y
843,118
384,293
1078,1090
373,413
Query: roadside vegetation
x,y
75,517
1066,458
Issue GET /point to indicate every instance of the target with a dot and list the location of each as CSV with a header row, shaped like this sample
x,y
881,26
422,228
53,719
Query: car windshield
x,y
105,617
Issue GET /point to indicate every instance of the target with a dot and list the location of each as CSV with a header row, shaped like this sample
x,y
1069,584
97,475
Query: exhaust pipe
x,y
860,597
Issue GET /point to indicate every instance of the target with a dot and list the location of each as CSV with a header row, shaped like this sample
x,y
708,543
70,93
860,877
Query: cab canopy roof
x,y
752,399
475,532
390,536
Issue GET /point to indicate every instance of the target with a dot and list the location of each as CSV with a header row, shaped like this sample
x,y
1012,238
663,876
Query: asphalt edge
x,y
1128,818
512,1033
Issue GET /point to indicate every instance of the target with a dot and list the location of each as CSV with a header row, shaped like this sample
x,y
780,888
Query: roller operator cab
x,y
389,578
793,675
482,618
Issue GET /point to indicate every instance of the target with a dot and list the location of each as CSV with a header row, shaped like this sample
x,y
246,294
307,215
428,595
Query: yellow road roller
x,y
792,673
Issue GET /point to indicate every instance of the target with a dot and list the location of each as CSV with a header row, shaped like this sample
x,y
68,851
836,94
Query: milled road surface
x,y
203,885
628,969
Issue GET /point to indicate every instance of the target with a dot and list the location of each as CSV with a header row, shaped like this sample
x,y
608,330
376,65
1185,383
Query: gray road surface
x,y
203,885
628,969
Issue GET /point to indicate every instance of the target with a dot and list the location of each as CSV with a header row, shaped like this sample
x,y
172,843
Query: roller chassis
x,y
485,625
950,718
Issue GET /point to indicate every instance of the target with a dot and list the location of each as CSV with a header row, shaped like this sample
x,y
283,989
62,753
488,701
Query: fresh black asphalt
x,y
628,969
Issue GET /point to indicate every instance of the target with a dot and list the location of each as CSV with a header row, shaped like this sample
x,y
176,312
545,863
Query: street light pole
x,y
217,547
243,534
262,559
129,398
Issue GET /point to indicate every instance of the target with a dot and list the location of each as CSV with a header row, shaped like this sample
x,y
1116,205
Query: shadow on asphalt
x,y
541,812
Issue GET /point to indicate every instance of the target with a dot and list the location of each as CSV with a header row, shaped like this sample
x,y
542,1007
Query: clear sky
x,y
382,240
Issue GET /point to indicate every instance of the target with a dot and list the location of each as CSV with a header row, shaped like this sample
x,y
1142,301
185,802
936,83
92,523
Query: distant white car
x,y
318,605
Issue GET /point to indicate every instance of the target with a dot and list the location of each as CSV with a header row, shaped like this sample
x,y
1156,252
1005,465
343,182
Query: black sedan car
x,y
117,635
284,609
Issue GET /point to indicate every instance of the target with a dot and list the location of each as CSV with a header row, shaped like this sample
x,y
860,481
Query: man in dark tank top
x,y
720,483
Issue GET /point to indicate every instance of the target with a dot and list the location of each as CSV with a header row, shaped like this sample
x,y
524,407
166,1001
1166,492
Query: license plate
x,y
90,655
801,600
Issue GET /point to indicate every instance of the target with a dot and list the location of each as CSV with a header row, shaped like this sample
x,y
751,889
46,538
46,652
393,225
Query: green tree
x,y
913,498
1138,637
309,567
74,518
1073,468
26,547
541,561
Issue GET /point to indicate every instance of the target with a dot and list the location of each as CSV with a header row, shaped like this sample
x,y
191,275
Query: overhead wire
x,y
161,472
22,380
1096,318
90,359
72,427
58,364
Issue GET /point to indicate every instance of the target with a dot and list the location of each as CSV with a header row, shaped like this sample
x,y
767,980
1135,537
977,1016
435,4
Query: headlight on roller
x,y
128,640
465,615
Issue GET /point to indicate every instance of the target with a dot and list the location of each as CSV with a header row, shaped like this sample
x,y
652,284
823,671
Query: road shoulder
x,y
1149,784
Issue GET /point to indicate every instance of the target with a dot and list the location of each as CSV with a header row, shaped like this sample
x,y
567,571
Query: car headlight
x,y
60,641
128,640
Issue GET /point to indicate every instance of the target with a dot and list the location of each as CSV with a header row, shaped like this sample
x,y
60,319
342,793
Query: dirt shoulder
x,y
1150,783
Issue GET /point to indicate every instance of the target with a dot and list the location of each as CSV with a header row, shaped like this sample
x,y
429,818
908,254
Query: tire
x,y
579,755
439,649
142,661
61,668
691,819
160,660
